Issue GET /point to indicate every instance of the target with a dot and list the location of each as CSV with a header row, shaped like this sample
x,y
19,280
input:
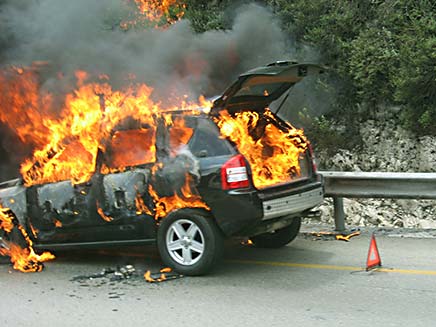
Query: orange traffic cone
x,y
373,260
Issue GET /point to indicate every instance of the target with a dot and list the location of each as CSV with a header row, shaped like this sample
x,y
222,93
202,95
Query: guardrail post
x,y
338,204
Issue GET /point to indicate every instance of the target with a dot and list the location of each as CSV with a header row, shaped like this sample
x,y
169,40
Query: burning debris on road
x,y
124,273
332,235
165,274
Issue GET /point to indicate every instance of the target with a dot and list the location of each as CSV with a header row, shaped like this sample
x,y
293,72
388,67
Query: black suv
x,y
118,207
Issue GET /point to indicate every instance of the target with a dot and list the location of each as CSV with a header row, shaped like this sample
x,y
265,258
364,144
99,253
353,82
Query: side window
x,y
206,141
74,162
131,148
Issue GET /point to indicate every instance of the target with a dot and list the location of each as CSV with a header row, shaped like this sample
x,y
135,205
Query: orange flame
x,y
26,260
273,152
147,276
23,259
164,205
22,106
161,278
85,123
57,223
6,219
166,270
102,214
155,10
162,13
33,230
141,207
67,143
188,199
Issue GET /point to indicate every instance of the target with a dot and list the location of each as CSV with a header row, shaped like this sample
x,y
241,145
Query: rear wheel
x,y
279,237
190,242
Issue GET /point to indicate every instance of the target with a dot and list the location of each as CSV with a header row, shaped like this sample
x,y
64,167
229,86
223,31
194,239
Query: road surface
x,y
310,282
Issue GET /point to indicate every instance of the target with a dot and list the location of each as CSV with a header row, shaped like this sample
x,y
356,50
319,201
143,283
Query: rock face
x,y
387,148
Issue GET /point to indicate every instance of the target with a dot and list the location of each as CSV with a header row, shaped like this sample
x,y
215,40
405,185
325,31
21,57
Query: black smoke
x,y
85,35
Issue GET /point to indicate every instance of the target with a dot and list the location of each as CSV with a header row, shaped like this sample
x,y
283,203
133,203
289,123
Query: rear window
x,y
131,148
206,141
261,90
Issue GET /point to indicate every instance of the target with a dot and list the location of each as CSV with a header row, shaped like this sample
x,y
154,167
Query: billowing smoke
x,y
85,35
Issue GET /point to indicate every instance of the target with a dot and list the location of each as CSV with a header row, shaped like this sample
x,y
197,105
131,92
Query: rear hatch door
x,y
257,88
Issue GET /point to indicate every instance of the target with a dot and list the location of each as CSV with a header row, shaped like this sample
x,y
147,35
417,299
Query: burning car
x,y
185,179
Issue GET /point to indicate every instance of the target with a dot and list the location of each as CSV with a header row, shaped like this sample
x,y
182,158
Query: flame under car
x,y
186,182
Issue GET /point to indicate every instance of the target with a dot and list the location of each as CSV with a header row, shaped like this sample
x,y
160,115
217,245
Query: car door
x,y
125,204
58,212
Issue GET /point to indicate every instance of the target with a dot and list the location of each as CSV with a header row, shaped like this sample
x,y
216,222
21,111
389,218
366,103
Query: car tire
x,y
278,238
190,242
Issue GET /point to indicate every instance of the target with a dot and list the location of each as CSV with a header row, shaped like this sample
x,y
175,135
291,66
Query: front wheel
x,y
190,242
279,237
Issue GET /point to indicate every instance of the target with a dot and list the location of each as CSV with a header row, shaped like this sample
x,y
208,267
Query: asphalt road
x,y
308,283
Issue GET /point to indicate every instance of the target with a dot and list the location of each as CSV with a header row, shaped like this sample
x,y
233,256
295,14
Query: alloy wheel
x,y
185,242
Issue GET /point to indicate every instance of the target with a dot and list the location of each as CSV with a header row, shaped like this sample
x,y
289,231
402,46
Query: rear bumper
x,y
303,200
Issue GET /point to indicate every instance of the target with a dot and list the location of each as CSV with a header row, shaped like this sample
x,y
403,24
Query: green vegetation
x,y
206,15
381,53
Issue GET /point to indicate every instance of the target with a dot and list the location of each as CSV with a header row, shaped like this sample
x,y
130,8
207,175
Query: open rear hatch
x,y
257,88
277,152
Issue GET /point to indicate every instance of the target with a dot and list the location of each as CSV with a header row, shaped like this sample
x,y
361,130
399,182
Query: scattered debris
x,y
109,274
122,274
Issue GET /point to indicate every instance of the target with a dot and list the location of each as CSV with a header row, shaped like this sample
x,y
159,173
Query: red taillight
x,y
312,158
234,173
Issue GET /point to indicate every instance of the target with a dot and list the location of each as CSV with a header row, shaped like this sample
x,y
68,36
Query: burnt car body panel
x,y
66,215
74,209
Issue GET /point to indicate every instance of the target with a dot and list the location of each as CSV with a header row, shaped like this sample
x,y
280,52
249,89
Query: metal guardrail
x,y
339,185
